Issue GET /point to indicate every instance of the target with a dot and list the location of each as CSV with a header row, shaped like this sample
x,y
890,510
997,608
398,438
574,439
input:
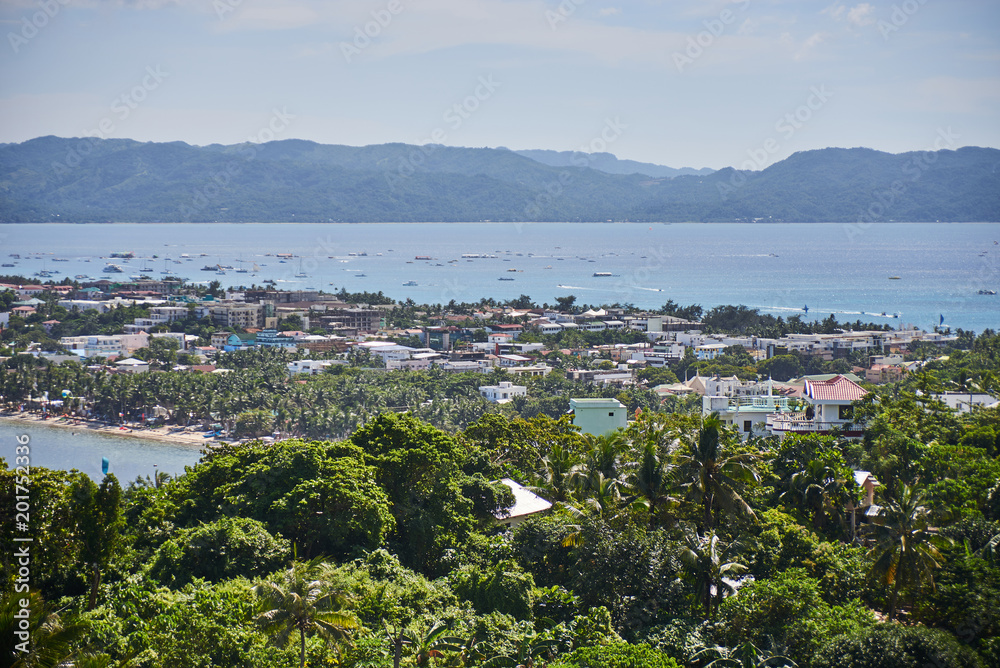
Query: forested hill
x,y
91,180
606,162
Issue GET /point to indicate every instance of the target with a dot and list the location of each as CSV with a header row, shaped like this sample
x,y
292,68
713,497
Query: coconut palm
x,y
819,488
906,551
710,477
650,481
47,641
298,600
526,655
431,643
557,468
706,568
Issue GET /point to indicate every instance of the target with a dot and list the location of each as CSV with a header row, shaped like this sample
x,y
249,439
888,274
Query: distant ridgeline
x,y
51,179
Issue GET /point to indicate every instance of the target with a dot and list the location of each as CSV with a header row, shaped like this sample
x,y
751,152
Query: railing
x,y
777,403
799,423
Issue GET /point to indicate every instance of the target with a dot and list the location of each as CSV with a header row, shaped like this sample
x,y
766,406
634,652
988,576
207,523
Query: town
x,y
505,483
793,383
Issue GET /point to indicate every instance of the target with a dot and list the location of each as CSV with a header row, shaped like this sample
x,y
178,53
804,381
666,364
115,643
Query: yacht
x,y
410,283
113,269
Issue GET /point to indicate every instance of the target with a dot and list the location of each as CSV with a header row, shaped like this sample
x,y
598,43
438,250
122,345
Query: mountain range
x,y
100,180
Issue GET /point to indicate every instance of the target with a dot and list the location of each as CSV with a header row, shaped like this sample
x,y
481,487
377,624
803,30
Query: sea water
x,y
918,271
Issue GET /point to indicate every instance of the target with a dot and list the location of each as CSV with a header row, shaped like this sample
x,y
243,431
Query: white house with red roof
x,y
829,407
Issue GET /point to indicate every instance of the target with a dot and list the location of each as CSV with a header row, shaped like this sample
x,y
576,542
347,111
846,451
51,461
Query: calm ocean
x,y
842,269
57,448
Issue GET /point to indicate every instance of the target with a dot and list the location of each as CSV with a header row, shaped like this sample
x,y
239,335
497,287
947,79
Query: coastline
x,y
161,434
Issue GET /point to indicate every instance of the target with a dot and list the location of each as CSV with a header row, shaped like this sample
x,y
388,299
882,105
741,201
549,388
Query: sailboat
x,y
301,273
242,269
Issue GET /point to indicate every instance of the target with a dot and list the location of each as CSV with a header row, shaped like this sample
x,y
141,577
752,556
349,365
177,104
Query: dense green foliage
x,y
128,181
671,542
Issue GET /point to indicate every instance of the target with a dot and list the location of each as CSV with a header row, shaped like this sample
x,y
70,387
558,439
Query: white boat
x,y
602,274
113,269
410,283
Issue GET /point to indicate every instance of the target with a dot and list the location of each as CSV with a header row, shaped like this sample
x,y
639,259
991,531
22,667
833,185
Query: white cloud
x,y
858,16
834,11
861,15
808,45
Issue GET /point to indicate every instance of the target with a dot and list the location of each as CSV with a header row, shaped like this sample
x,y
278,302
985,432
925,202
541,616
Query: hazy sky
x,y
676,82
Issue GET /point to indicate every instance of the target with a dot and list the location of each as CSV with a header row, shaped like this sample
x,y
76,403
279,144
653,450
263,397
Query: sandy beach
x,y
166,434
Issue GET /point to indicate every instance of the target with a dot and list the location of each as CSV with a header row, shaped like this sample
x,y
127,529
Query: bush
x,y
505,589
790,610
895,646
218,551
619,655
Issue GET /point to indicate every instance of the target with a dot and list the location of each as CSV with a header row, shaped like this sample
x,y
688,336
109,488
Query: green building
x,y
598,416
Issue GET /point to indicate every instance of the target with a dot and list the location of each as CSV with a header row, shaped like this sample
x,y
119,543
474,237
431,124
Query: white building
x,y
132,365
829,408
105,346
308,367
503,393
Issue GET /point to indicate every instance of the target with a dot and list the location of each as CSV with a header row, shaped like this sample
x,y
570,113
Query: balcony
x,y
797,423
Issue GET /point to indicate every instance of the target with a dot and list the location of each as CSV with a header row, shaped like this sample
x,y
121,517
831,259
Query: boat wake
x,y
882,314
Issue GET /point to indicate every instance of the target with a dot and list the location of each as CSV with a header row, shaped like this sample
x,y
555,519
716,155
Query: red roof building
x,y
837,390
830,408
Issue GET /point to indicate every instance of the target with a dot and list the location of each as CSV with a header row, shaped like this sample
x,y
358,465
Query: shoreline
x,y
160,434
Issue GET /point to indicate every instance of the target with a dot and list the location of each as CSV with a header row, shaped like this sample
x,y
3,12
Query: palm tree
x,y
300,601
47,642
707,568
905,551
557,467
525,655
746,655
430,644
711,478
818,488
651,479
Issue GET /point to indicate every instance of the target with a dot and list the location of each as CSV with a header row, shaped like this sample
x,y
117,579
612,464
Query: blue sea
x,y
64,449
844,269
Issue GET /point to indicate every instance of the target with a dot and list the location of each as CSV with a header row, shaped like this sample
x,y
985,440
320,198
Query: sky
x,y
683,83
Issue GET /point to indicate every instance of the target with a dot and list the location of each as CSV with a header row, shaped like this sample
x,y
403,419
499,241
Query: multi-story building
x,y
829,407
237,315
503,393
105,346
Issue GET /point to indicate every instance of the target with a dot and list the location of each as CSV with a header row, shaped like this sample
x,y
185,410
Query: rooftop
x,y
525,502
837,388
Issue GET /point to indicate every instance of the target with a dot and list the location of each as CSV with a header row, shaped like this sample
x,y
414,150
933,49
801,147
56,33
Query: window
x,y
611,414
747,424
846,412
